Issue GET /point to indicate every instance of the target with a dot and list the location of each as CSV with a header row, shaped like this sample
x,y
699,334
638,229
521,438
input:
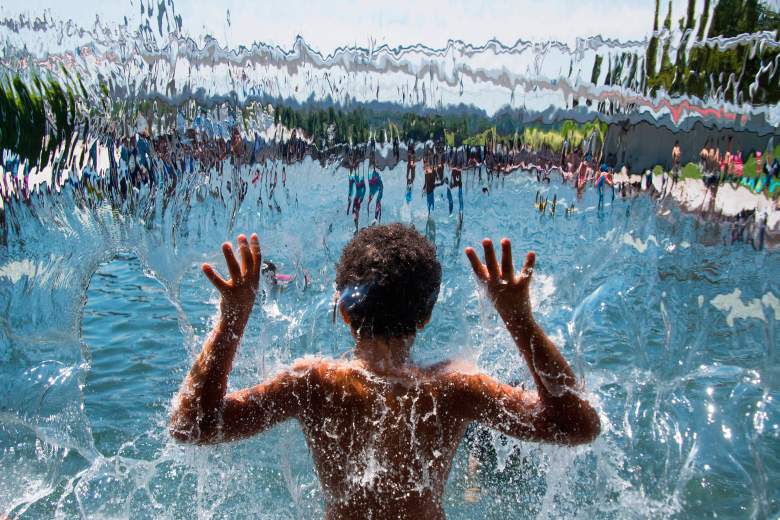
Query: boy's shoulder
x,y
457,377
463,377
452,374
318,366
453,368
322,370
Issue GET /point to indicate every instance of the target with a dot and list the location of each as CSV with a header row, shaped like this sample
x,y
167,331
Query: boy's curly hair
x,y
389,279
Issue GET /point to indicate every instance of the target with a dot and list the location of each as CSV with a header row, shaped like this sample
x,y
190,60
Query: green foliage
x,y
594,75
708,69
652,46
449,138
37,116
749,167
360,124
538,139
691,171
479,139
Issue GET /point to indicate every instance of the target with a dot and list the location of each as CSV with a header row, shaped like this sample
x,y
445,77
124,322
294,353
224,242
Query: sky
x,y
329,24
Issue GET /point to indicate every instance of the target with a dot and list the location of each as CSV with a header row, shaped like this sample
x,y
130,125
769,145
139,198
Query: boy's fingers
x,y
256,256
232,263
528,266
476,265
214,278
490,258
507,267
246,256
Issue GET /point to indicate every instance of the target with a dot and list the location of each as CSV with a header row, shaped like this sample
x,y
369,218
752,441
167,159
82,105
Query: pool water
x,y
105,308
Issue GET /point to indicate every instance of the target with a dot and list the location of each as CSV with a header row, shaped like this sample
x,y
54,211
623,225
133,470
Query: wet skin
x,y
382,431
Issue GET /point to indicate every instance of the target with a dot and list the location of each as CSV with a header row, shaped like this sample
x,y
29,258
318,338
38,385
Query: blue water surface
x,y
673,333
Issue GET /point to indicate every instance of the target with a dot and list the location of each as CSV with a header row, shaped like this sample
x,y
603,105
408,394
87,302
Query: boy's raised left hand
x,y
239,292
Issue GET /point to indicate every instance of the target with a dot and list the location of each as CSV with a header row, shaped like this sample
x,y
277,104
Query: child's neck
x,y
384,355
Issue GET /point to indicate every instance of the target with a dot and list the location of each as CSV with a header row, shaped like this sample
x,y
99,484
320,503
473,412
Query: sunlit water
x,y
674,335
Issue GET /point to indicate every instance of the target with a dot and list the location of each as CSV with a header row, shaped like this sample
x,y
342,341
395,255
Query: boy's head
x,y
388,278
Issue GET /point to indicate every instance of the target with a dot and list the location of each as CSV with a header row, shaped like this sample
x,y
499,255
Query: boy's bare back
x,y
381,444
382,431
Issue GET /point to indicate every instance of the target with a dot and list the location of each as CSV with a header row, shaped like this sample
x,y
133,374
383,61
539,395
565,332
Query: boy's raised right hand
x,y
509,291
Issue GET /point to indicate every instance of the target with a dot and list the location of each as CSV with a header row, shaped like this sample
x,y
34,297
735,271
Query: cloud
x,y
327,25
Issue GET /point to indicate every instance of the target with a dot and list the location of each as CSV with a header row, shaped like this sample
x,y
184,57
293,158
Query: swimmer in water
x,y
603,178
456,181
375,187
360,194
268,270
274,281
450,203
411,163
410,167
352,178
430,185
379,408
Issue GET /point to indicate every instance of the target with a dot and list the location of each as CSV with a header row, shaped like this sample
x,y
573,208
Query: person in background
x,y
771,167
375,188
430,184
739,165
676,161
457,182
360,194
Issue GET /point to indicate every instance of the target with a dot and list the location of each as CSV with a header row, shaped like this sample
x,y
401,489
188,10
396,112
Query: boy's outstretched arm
x,y
202,413
558,413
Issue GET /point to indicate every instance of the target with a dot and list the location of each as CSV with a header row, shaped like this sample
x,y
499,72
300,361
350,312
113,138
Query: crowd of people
x,y
729,166
161,162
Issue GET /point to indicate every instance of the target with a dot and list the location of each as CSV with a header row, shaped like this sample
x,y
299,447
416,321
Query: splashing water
x,y
674,338
105,305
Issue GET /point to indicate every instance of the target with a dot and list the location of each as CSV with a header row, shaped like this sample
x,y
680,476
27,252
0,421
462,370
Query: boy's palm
x,y
509,291
239,292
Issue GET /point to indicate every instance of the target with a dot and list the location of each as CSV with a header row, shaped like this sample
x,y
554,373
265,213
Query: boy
x,y
382,431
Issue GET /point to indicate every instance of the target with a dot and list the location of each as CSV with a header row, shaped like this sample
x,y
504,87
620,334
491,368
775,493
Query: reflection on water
x,y
129,154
